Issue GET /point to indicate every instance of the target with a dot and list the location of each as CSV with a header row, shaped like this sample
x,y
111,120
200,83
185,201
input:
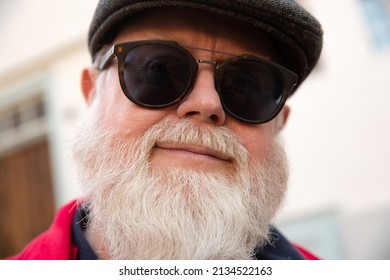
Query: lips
x,y
196,150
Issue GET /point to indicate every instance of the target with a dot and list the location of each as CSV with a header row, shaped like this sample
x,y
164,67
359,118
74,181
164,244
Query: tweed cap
x,y
296,33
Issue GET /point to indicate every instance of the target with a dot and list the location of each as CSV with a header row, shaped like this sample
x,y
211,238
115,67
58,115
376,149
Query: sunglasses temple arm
x,y
106,58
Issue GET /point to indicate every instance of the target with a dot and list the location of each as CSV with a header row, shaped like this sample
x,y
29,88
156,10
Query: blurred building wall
x,y
338,138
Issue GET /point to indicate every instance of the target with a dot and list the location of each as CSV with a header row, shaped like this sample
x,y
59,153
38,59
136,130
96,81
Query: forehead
x,y
198,28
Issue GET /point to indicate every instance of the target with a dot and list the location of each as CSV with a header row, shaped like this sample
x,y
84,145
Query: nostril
x,y
214,118
192,113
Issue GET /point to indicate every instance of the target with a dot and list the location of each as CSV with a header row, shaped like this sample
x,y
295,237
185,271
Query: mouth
x,y
193,150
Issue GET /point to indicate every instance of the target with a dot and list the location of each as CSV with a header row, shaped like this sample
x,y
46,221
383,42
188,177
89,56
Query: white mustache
x,y
220,141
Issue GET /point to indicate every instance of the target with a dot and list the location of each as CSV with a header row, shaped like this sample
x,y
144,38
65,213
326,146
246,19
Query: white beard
x,y
140,211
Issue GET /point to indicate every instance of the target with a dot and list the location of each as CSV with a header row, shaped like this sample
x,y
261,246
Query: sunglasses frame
x,y
120,51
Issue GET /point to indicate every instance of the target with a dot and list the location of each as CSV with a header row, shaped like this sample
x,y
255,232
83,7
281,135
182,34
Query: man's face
x,y
202,106
236,151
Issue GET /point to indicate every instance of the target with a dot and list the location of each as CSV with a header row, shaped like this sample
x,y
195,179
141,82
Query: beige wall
x,y
339,134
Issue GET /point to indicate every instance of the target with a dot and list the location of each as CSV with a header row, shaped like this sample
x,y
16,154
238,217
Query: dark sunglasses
x,y
157,74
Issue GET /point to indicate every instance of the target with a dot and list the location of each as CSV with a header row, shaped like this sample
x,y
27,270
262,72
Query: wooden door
x,y
26,196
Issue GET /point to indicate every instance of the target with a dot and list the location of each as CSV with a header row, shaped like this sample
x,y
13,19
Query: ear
x,y
281,119
88,80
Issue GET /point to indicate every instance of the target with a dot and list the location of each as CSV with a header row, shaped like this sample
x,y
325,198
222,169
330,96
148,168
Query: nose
x,y
203,103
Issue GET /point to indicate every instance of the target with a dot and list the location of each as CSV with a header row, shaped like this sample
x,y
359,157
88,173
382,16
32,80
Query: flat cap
x,y
296,33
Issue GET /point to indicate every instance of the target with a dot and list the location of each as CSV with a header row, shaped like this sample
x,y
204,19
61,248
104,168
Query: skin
x,y
202,105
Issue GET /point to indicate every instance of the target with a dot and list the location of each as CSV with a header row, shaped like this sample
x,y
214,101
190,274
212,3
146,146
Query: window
x,y
19,115
377,14
22,121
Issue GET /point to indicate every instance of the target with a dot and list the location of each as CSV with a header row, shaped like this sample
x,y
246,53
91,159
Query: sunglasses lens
x,y
251,90
156,75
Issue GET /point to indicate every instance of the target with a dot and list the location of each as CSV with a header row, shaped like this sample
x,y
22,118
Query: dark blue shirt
x,y
279,249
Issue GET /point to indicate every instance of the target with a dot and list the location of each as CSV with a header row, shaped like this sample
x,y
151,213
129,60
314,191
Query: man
x,y
179,156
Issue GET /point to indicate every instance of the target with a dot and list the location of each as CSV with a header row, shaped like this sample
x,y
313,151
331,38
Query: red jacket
x,y
56,243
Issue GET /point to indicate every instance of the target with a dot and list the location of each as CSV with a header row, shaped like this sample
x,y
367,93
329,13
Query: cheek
x,y
257,140
109,100
115,111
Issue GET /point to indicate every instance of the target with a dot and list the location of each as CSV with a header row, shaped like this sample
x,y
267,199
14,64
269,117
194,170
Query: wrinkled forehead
x,y
198,28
